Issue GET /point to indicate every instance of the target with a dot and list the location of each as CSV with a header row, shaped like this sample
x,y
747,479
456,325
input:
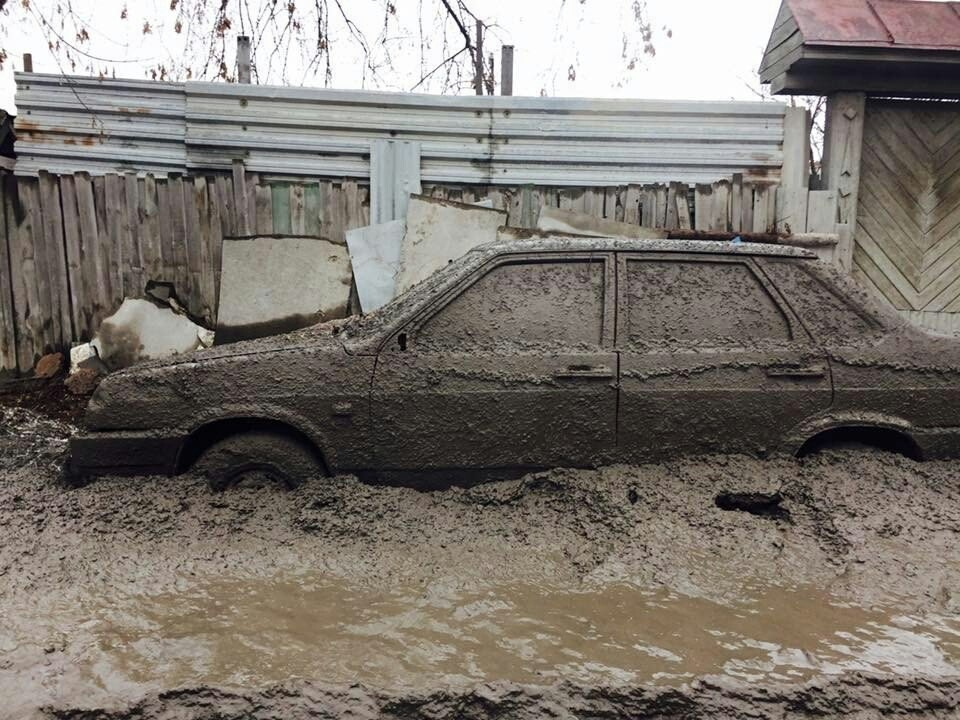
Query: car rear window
x,y
676,304
523,305
828,316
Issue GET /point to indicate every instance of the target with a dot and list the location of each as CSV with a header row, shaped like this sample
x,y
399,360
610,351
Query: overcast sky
x,y
712,54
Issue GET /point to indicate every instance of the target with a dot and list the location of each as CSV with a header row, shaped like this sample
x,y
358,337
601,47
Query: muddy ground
x,y
618,592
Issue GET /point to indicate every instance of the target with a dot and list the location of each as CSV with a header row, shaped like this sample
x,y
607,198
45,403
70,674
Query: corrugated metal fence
x,y
68,124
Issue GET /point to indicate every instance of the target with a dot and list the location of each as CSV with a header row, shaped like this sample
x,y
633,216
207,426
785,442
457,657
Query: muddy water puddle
x,y
257,632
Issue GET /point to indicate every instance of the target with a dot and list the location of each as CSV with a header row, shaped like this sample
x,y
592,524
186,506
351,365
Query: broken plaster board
x,y
439,231
273,284
375,254
140,330
556,220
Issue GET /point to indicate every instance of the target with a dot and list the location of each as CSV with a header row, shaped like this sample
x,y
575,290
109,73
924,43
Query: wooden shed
x,y
891,72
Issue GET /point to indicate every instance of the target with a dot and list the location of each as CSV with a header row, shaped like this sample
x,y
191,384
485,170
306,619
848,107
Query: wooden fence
x,y
73,246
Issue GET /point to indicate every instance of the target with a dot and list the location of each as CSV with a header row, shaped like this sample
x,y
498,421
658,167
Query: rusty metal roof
x,y
908,24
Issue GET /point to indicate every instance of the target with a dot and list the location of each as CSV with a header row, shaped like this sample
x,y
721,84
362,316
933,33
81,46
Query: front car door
x,y
712,358
512,369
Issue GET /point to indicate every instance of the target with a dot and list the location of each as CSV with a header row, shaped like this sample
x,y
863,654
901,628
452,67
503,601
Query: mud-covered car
x,y
544,352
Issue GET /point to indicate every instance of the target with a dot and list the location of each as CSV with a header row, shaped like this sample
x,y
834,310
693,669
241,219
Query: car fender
x,y
263,411
812,427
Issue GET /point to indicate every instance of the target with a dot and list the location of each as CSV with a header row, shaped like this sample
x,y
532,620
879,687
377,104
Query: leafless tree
x,y
294,41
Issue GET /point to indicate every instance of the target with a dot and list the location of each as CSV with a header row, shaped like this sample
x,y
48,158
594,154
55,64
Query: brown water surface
x,y
223,631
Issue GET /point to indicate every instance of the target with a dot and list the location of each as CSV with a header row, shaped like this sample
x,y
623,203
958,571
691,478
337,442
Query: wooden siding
x,y
908,214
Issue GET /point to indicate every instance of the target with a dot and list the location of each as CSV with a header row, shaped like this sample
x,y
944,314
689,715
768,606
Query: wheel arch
x,y
205,435
884,436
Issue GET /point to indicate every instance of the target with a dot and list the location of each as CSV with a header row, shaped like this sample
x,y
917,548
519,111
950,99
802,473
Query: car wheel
x,y
257,458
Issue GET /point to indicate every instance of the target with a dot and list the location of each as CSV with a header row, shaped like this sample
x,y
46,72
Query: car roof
x,y
531,241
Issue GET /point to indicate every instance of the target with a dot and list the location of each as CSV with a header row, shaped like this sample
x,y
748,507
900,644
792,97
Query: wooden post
x,y
842,149
791,208
27,62
478,61
506,70
243,59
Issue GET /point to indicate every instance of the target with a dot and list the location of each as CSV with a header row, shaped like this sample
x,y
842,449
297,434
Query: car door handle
x,y
806,371
600,372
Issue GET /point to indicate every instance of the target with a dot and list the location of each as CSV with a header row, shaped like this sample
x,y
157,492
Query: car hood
x,y
166,393
315,336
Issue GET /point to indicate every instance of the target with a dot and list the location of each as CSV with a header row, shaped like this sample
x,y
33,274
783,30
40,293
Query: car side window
x,y
679,304
523,306
828,315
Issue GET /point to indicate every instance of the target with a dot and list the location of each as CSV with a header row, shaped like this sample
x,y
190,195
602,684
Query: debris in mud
x,y
48,366
83,382
765,505
142,330
316,284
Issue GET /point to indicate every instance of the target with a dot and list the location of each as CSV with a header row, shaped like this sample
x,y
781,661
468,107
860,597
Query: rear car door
x,y
514,368
711,357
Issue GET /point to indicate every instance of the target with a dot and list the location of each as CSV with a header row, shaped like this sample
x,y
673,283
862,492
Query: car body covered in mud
x,y
538,352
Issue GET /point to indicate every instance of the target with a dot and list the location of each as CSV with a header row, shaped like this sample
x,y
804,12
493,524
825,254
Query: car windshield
x,y
413,298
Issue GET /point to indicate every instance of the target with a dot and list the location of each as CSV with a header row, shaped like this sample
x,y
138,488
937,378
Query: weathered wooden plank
x,y
683,207
761,221
227,207
702,206
593,199
217,231
746,210
720,209
73,248
51,264
264,210
253,182
241,205
168,272
298,219
842,149
149,228
115,217
96,280
736,203
662,192
194,206
631,205
178,236
822,211
132,253
201,270
8,328
280,208
791,208
311,209
33,314
16,217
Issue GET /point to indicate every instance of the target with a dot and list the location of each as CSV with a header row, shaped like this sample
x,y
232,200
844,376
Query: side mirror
x,y
402,341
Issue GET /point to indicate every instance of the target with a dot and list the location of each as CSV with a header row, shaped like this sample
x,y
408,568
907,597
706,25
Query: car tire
x,y
258,455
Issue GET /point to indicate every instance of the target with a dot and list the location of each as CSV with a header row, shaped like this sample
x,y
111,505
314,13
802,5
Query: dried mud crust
x,y
869,527
855,696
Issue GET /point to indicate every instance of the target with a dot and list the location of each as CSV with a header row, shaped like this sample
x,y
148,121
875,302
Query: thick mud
x,y
707,587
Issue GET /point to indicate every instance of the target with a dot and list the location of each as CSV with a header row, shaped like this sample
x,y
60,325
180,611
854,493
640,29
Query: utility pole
x,y
506,70
243,59
478,60
27,62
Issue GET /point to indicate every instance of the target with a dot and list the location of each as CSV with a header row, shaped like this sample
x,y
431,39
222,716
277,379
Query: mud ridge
x,y
859,696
